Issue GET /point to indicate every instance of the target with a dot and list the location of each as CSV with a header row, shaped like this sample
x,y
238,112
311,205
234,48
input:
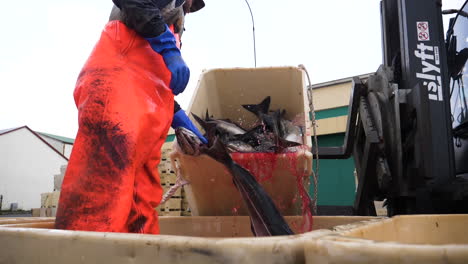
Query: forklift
x,y
407,127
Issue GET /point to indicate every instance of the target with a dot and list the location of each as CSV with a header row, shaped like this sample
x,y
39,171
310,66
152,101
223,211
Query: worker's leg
x,y
120,125
97,189
147,195
148,192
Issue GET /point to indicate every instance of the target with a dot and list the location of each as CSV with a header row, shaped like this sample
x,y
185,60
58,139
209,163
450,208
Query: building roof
x,y
59,138
3,131
340,81
10,130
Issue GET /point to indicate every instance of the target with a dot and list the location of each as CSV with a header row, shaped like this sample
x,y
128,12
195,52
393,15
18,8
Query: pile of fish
x,y
265,218
273,133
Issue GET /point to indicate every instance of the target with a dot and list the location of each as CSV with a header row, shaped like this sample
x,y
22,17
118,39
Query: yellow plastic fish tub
x,y
211,191
223,91
423,239
24,220
183,240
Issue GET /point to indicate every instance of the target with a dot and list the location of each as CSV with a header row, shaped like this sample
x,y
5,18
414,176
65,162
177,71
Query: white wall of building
x,y
62,147
58,145
27,169
67,150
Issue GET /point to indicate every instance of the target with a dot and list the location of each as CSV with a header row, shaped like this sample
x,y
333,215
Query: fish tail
x,y
261,108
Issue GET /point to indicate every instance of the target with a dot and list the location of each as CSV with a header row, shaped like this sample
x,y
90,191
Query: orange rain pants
x,y
125,109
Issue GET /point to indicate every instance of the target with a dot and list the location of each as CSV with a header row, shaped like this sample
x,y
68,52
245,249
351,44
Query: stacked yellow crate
x,y
49,204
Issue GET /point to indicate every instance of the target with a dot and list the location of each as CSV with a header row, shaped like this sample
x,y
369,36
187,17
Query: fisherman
x,y
125,100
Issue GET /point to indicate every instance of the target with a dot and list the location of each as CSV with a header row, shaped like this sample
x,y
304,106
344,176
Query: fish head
x,y
188,141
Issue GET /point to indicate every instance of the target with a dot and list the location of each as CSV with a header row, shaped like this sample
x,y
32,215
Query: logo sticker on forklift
x,y
423,30
429,74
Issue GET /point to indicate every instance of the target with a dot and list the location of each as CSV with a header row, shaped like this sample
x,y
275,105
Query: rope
x,y
315,173
180,182
253,32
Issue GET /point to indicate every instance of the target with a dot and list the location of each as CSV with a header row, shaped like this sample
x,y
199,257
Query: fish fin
x,y
284,144
208,117
283,113
200,121
277,123
287,144
252,228
261,108
206,125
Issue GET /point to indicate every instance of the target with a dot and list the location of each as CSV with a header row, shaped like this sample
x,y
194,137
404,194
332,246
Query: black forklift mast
x,y
399,129
416,40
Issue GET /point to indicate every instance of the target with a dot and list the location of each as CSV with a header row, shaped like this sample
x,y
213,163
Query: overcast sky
x,y
45,44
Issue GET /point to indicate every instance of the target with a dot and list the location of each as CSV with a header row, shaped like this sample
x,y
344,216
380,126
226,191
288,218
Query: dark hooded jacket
x,y
146,17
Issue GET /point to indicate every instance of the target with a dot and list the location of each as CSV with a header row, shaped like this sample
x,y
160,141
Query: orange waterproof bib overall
x,y
125,108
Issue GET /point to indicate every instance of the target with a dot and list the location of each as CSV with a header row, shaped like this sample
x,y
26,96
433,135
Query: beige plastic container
x,y
222,92
183,240
423,239
23,220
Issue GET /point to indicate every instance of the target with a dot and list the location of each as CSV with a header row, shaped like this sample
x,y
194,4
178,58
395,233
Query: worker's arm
x,y
182,120
144,16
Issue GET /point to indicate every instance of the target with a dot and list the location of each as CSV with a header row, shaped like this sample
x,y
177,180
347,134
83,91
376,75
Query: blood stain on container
x,y
262,166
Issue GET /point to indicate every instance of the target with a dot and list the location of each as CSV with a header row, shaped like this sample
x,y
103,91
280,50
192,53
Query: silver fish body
x,y
291,132
239,146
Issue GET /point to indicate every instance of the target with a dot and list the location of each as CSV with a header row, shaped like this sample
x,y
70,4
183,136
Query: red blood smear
x,y
235,210
262,166
307,219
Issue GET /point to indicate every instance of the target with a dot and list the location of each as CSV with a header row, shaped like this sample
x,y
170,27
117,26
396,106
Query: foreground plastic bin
x,y
211,191
423,239
222,92
184,240
22,220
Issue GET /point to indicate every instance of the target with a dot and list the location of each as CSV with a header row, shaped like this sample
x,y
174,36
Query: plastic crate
x,y
173,206
402,239
183,240
211,191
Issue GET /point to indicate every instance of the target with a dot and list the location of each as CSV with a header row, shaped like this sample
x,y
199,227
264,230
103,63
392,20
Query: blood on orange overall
x,y
125,109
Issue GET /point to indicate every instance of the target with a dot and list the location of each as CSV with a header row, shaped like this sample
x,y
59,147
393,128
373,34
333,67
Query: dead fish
x,y
188,141
261,110
288,130
222,126
264,141
265,218
239,146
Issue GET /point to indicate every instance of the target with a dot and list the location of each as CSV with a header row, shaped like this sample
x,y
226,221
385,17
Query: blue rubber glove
x,y
165,44
182,120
